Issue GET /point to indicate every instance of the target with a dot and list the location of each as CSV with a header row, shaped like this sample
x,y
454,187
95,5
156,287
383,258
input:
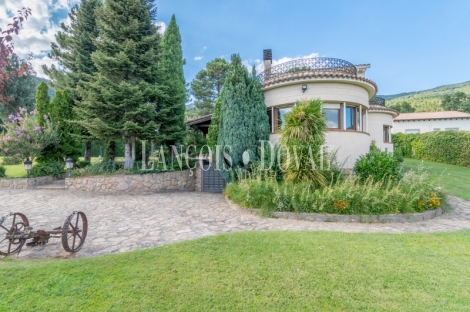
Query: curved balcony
x,y
377,101
317,64
313,68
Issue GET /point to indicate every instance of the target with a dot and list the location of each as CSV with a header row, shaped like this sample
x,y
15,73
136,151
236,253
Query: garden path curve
x,y
119,223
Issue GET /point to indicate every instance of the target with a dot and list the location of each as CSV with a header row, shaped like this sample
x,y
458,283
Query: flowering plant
x,y
24,137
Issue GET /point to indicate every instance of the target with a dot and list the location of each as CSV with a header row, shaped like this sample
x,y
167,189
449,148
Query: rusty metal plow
x,y
15,231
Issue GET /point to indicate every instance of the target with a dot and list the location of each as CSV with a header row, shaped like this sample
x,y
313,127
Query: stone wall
x,y
24,183
156,182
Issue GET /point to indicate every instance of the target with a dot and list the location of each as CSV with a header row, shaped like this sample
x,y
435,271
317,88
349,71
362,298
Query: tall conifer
x,y
120,99
43,101
243,118
170,110
75,44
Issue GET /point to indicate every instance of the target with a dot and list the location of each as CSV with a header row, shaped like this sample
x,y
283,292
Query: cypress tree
x,y
243,118
60,113
119,100
75,44
43,101
215,122
170,110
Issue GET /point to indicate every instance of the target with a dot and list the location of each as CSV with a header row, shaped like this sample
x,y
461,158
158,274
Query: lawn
x,y
15,171
254,271
454,179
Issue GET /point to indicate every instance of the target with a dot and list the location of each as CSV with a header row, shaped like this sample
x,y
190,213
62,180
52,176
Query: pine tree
x,y
207,85
43,101
243,118
170,110
120,99
75,44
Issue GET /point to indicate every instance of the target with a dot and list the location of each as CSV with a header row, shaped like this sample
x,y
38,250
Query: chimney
x,y
267,58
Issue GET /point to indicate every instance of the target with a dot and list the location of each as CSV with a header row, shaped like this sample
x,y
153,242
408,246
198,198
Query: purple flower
x,y
45,116
11,116
5,150
33,112
28,137
20,135
6,139
17,155
37,128
22,109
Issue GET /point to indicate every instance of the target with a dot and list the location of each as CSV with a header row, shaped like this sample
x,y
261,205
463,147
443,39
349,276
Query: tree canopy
x,y
119,100
459,101
207,85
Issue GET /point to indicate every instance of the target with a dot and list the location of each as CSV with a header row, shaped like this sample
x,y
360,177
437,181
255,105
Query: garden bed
x,y
389,218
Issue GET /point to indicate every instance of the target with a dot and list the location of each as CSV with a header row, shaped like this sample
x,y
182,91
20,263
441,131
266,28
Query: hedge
x,y
449,147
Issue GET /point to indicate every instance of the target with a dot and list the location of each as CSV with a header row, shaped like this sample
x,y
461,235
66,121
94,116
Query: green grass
x,y
254,271
15,171
454,179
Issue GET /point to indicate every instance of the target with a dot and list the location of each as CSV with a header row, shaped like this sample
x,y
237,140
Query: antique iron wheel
x,y
74,231
11,224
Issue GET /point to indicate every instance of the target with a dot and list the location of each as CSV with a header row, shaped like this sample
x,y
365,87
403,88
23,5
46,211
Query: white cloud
x,y
198,58
38,30
259,64
161,27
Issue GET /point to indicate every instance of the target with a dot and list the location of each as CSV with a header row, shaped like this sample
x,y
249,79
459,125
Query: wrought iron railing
x,y
377,101
318,64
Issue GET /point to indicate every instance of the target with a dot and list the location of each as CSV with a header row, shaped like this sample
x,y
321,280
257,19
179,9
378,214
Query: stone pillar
x,y
198,177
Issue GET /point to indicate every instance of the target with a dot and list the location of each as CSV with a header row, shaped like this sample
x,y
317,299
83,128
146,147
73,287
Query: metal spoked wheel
x,y
74,231
12,224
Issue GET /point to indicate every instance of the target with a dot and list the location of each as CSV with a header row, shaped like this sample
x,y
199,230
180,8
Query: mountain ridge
x,y
427,100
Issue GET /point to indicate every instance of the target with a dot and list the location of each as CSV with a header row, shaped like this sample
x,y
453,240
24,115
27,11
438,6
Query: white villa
x,y
355,116
432,121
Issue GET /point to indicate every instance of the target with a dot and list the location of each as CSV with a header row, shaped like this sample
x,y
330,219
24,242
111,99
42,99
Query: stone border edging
x,y
396,218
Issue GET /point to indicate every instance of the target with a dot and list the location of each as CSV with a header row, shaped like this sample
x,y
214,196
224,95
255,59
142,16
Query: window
x,y
387,134
436,129
332,116
452,129
411,131
270,118
281,117
350,118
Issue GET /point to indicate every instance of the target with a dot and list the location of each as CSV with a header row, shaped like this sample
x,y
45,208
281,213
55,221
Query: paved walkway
x,y
119,223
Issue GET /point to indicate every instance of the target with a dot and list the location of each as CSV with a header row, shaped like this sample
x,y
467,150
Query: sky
x,y
410,45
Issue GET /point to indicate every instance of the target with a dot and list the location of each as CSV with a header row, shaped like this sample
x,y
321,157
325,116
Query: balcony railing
x,y
324,65
377,101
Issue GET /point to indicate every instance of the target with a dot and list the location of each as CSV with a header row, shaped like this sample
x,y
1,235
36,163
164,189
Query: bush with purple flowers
x,y
24,137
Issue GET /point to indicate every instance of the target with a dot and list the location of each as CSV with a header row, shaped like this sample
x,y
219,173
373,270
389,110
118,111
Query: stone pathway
x,y
119,223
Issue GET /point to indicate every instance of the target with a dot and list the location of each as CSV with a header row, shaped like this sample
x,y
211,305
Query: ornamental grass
x,y
413,193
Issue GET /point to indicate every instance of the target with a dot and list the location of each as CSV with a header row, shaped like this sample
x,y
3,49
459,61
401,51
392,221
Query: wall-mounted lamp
x,y
304,88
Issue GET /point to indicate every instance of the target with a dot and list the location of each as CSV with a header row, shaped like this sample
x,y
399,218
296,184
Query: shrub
x,y
398,153
413,193
82,164
11,160
448,147
404,141
51,168
2,172
105,166
378,165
